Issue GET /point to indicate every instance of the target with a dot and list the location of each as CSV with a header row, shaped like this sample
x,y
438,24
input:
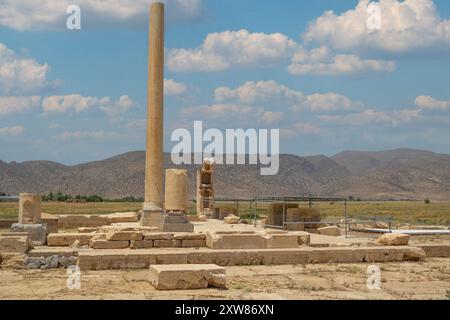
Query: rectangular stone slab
x,y
281,241
235,241
52,251
128,258
67,239
187,276
139,259
120,217
105,244
124,235
11,244
435,250
52,222
76,221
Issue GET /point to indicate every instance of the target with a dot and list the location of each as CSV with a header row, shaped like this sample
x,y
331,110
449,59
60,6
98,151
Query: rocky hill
x,y
394,174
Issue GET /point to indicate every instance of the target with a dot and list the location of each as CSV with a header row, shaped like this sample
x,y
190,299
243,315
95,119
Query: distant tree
x,y
351,198
94,198
427,201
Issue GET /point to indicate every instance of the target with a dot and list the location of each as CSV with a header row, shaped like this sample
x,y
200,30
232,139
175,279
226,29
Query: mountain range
x,y
392,174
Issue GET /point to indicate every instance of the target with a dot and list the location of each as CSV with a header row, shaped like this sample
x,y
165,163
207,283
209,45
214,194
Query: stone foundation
x,y
96,221
142,259
256,240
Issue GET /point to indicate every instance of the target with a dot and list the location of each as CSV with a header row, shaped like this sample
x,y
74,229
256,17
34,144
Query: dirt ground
x,y
415,280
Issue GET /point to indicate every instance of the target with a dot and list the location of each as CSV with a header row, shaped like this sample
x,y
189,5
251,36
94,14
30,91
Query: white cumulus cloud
x,y
21,75
82,135
375,117
300,128
79,103
174,88
330,102
406,26
12,105
430,103
26,15
12,131
258,92
272,93
340,64
222,51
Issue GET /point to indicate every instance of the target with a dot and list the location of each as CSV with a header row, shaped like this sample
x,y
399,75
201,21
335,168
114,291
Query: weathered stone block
x,y
169,258
226,257
14,244
394,239
158,236
12,260
235,241
121,217
166,243
185,277
177,227
436,250
281,241
76,221
67,239
141,244
189,236
29,208
231,219
330,231
124,235
37,233
176,190
415,254
140,259
87,229
193,243
52,222
304,238
13,234
105,244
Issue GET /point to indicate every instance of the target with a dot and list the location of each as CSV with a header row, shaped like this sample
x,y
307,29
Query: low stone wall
x,y
256,240
68,239
436,250
76,221
142,259
134,239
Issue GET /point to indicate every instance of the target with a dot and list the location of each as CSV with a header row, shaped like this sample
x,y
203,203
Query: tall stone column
x,y
154,194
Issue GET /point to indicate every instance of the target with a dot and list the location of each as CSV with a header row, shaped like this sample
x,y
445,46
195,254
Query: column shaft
x,y
155,112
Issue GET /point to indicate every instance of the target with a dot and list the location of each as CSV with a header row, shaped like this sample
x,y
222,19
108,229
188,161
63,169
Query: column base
x,y
151,217
176,223
165,222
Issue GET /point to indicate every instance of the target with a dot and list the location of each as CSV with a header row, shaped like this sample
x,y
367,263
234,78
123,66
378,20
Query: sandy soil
x,y
419,280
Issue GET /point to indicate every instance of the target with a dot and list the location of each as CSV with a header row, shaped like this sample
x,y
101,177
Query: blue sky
x,y
324,79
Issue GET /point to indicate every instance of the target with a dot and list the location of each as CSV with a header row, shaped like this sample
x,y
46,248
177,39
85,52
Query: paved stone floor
x,y
415,280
